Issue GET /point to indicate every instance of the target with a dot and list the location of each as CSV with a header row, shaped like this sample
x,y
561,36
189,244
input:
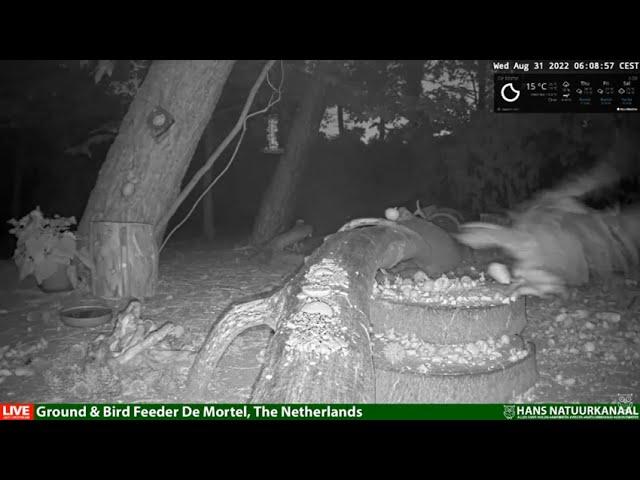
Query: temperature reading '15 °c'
x,y
544,86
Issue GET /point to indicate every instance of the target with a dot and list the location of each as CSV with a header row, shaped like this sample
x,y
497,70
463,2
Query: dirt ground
x,y
588,348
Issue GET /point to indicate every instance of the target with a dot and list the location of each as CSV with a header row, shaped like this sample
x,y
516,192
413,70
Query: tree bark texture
x,y
142,173
482,85
340,120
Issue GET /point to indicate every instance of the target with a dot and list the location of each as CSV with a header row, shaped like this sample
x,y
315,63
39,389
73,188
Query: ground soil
x,y
588,348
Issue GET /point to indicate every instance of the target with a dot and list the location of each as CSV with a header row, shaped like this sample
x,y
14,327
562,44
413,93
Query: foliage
x,y
496,161
124,83
125,76
409,97
43,244
52,103
379,92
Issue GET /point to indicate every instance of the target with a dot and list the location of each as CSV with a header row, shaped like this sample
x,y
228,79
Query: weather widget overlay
x,y
566,87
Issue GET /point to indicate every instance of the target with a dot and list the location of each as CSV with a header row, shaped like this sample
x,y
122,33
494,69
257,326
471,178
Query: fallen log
x,y
276,246
321,350
297,233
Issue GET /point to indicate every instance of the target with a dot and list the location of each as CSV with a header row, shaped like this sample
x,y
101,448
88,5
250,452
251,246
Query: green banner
x,y
119,411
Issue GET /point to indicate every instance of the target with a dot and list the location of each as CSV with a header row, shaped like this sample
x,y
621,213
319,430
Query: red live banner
x,y
17,411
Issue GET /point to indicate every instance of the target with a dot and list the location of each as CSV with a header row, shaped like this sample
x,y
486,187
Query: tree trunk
x,y
413,89
381,129
278,203
126,264
16,194
142,174
321,351
482,85
208,147
340,120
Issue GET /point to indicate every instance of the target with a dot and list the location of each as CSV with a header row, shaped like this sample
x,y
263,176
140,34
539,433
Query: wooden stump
x,y
493,374
321,350
125,257
498,384
446,324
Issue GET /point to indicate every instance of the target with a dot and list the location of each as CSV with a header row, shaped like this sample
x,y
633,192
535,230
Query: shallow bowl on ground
x,y
86,315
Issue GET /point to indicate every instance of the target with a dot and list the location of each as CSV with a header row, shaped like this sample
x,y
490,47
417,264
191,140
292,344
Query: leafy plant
x,y
43,245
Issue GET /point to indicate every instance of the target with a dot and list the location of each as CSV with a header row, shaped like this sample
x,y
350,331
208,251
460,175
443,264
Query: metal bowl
x,y
86,315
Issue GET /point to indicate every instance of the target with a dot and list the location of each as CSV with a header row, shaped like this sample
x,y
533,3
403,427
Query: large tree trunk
x,y
142,174
278,203
321,351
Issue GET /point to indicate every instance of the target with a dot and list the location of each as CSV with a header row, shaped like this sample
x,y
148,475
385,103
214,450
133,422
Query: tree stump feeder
x,y
321,350
451,354
325,348
125,258
442,324
498,382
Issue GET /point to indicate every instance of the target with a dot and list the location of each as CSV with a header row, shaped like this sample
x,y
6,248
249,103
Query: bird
x,y
557,241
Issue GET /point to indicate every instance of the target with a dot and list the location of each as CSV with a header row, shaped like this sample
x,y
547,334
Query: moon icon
x,y
515,93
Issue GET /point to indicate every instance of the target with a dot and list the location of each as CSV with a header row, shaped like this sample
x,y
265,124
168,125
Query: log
x,y
440,252
498,384
125,258
449,324
321,350
274,249
298,232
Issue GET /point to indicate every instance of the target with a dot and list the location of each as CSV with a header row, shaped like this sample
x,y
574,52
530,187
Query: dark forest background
x,y
394,132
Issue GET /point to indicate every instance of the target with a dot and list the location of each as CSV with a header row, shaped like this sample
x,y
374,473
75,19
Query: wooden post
x,y
125,256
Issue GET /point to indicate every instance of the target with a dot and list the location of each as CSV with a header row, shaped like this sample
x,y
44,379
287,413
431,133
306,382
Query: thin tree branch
x,y
214,156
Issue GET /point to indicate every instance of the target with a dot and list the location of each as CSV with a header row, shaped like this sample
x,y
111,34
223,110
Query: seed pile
x,y
409,352
444,291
